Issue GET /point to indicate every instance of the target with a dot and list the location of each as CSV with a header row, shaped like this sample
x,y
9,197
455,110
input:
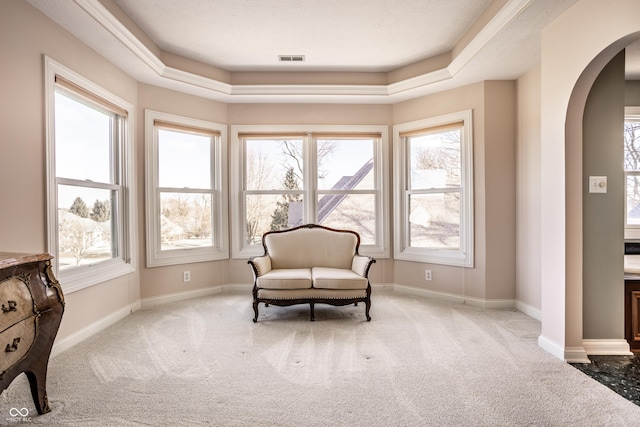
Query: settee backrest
x,y
305,247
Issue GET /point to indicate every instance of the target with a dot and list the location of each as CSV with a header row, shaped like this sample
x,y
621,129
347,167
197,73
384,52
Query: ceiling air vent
x,y
291,58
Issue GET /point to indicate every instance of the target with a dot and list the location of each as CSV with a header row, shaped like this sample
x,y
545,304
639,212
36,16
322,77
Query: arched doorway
x,y
575,48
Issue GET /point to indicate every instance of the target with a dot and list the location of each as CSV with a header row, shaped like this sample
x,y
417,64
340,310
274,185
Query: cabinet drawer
x,y
16,341
16,302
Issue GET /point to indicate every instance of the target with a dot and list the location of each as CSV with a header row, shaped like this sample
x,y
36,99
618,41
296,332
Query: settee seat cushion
x,y
311,294
337,278
286,278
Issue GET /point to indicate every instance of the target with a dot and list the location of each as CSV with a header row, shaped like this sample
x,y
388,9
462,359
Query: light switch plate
x,y
597,184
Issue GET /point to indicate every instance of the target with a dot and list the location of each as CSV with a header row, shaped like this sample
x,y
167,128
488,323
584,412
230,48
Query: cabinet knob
x,y
12,347
12,307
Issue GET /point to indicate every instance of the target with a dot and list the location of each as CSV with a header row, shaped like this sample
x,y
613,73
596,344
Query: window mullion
x,y
311,179
87,184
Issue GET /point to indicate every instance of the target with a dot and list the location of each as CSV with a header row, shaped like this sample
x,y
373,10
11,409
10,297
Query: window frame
x,y
631,231
310,192
464,257
219,250
84,276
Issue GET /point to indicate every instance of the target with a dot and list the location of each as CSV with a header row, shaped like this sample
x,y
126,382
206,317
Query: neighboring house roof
x,y
329,202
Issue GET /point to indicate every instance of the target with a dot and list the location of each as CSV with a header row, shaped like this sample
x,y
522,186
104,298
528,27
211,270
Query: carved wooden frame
x,y
311,301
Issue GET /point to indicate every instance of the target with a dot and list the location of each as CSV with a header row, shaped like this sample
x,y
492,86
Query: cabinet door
x,y
16,302
634,318
16,341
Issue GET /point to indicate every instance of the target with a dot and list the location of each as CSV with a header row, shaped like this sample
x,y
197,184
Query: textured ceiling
x,y
334,35
389,46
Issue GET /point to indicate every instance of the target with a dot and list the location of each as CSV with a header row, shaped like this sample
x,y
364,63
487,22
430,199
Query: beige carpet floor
x,y
419,362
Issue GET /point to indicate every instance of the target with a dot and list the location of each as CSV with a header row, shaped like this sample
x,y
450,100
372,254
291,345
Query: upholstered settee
x,y
311,264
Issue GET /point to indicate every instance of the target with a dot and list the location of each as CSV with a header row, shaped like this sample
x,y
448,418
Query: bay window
x,y
294,175
89,180
185,191
434,190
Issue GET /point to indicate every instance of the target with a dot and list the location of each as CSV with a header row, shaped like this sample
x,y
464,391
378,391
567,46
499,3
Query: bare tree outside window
x,y
632,169
435,182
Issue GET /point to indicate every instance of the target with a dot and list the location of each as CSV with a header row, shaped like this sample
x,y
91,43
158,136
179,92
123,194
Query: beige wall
x,y
311,114
161,281
494,142
23,220
565,84
22,158
528,247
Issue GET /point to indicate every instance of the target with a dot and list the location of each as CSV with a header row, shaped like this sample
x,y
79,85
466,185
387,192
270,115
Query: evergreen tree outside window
x,y
295,175
89,180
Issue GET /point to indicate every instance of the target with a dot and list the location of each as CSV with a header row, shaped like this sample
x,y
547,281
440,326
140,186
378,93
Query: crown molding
x,y
221,91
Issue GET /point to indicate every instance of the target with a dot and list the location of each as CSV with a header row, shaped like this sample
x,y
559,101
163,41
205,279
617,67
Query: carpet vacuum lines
x,y
419,362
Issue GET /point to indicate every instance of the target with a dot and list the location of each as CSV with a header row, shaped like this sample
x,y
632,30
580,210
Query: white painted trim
x,y
197,293
179,296
551,347
219,194
576,355
464,256
530,311
221,91
79,278
66,343
612,347
460,299
240,250
505,15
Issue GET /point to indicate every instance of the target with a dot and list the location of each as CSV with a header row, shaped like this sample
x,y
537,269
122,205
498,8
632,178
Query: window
x,y
632,172
186,197
295,175
89,180
434,190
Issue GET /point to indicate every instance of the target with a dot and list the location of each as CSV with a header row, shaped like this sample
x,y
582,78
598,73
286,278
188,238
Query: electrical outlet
x,y
427,275
186,276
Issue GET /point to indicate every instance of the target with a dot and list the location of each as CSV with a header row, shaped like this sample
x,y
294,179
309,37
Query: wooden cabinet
x,y
632,311
31,308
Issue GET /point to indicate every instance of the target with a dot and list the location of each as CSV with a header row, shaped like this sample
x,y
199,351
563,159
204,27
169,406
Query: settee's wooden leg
x,y
312,307
255,311
366,310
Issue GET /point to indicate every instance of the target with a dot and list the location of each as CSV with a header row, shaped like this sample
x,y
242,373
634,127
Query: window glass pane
x,y
435,160
273,164
184,160
185,220
632,145
633,199
83,141
85,222
434,220
271,212
345,164
356,212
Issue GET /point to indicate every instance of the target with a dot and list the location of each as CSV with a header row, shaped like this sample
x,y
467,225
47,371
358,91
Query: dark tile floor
x,y
620,373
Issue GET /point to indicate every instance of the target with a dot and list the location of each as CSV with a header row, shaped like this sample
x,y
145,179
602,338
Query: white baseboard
x,y
181,296
576,355
613,347
461,299
529,310
553,348
66,343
